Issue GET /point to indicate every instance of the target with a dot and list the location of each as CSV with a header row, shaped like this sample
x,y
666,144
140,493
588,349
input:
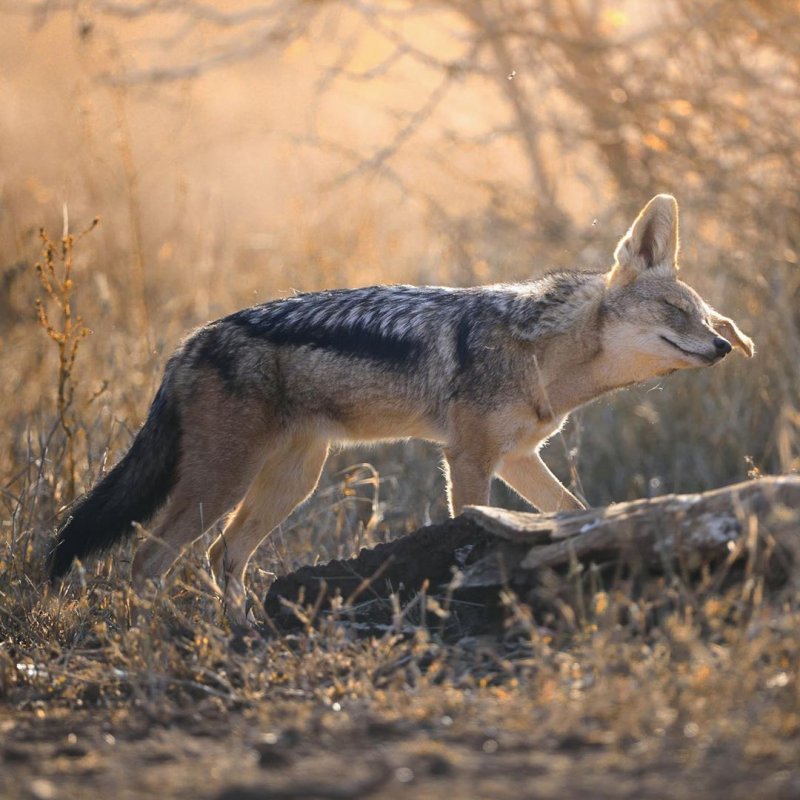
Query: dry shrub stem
x,y
55,276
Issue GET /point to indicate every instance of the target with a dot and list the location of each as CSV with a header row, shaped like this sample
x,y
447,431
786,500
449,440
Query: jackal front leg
x,y
530,477
471,455
469,479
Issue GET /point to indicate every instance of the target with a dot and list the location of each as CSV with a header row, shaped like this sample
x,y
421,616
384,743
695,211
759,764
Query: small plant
x,y
55,275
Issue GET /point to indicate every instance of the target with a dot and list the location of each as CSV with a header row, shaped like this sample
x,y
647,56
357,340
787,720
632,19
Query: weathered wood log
x,y
485,549
660,531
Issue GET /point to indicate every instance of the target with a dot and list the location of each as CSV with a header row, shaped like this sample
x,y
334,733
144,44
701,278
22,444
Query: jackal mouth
x,y
702,356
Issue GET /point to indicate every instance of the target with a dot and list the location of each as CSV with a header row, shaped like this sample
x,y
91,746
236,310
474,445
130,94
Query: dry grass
x,y
669,694
705,702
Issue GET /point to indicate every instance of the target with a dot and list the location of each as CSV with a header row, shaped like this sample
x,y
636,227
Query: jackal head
x,y
655,323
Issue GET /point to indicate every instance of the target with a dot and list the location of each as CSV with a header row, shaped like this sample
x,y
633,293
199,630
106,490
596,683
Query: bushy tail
x,y
132,492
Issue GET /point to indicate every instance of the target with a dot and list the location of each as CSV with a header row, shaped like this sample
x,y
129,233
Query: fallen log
x,y
472,557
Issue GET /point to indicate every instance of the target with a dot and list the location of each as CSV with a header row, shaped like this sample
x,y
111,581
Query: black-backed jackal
x,y
250,404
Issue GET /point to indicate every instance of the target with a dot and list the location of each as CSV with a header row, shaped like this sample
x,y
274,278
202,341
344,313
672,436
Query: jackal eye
x,y
676,307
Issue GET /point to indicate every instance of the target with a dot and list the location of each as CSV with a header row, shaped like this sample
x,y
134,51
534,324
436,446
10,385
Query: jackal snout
x,y
701,343
717,349
723,346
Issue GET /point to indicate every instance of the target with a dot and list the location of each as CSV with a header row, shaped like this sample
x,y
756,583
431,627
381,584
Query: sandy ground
x,y
126,754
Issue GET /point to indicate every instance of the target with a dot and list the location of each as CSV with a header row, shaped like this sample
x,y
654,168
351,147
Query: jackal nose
x,y
723,346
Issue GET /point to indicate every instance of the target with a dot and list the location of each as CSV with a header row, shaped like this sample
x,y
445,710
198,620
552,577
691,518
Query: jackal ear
x,y
729,330
651,243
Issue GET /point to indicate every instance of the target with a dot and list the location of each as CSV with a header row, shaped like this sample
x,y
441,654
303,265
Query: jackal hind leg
x,y
195,505
287,478
221,452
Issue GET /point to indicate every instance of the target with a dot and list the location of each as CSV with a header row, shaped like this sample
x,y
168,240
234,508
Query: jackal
x,y
250,403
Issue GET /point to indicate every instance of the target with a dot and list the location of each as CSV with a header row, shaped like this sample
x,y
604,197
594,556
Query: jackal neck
x,y
562,372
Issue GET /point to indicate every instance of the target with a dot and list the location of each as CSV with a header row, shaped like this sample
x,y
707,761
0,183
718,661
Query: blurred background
x,y
237,151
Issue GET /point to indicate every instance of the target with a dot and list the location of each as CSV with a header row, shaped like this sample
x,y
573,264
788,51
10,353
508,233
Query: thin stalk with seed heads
x,y
55,275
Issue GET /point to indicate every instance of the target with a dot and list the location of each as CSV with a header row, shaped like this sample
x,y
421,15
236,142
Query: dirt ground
x,y
87,754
